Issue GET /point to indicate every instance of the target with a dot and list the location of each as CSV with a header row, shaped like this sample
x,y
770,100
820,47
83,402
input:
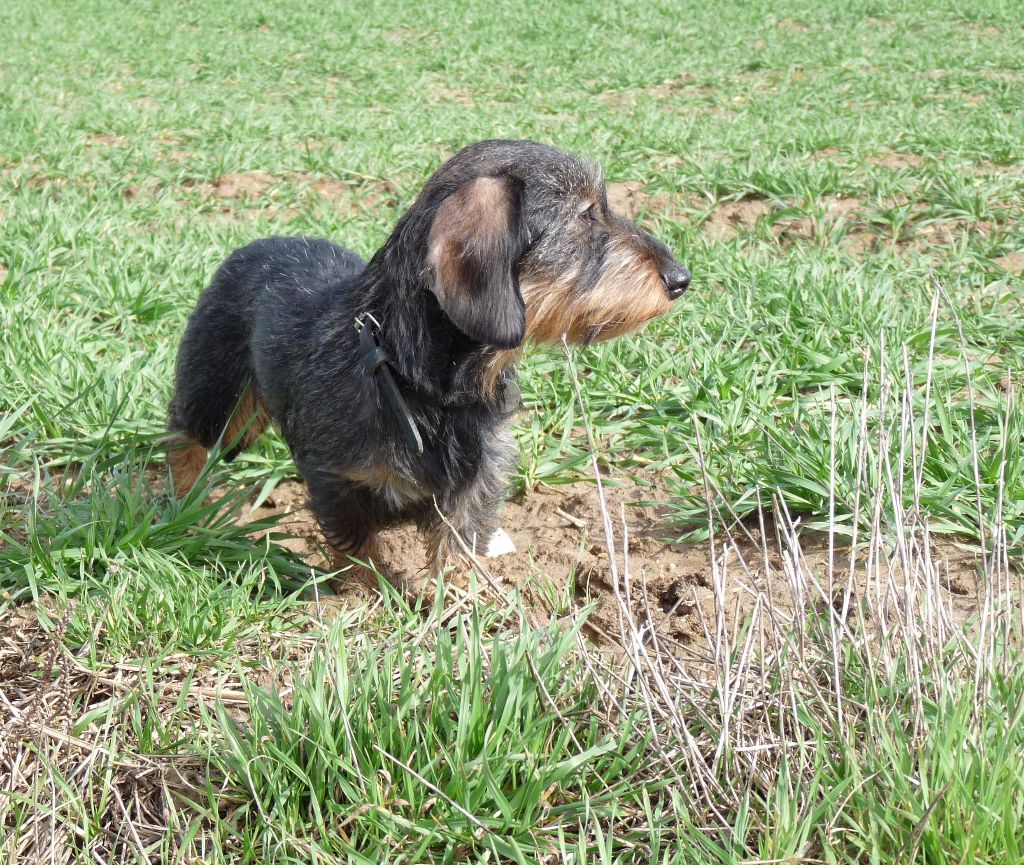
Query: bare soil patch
x,y
793,25
243,186
682,85
895,160
1013,262
442,93
561,552
730,218
103,139
946,232
829,154
237,193
630,198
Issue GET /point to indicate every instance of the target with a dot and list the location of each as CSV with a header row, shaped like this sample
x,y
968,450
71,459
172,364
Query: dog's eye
x,y
590,214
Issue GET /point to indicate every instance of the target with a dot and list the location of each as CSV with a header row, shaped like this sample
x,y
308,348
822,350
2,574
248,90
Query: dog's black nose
x,y
677,280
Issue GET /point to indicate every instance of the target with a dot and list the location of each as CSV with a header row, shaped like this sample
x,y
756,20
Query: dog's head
x,y
523,245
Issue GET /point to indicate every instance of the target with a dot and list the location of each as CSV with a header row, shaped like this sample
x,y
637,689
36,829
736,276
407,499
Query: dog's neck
x,y
430,355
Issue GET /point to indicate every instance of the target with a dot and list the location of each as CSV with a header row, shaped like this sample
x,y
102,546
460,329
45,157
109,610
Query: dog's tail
x,y
216,398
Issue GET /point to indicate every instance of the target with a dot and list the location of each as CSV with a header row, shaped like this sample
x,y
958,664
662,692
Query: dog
x,y
393,382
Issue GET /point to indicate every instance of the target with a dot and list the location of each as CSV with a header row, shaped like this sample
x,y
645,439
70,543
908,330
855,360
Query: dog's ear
x,y
476,240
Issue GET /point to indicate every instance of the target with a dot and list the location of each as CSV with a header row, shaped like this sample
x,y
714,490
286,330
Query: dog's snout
x,y
677,280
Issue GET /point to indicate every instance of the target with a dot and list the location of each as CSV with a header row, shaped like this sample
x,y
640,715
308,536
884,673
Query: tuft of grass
x,y
449,740
103,516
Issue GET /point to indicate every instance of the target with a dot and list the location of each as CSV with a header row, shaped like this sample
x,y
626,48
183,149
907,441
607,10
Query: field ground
x,y
811,651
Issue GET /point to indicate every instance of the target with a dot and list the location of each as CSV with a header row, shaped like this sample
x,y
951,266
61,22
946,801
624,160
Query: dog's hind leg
x,y
186,459
215,395
186,452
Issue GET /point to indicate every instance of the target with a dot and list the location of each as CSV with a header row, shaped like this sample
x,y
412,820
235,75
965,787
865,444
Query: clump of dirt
x,y
630,198
679,84
847,215
828,154
442,93
946,233
793,25
668,91
895,160
560,551
103,139
236,194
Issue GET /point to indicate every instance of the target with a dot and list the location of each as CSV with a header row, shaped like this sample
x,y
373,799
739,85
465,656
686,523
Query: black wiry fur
x,y
277,324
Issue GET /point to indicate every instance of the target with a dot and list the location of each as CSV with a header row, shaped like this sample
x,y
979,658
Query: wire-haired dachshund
x,y
393,381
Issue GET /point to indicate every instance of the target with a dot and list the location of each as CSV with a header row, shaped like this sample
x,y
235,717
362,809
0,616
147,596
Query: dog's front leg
x,y
464,523
348,516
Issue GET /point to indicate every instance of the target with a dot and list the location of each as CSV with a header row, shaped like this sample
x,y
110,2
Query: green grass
x,y
856,366
441,740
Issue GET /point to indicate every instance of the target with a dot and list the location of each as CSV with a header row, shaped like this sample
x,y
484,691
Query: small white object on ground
x,y
500,545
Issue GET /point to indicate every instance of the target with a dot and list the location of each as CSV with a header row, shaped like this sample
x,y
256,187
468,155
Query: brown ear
x,y
476,241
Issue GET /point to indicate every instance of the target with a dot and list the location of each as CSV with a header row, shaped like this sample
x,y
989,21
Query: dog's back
x,y
215,392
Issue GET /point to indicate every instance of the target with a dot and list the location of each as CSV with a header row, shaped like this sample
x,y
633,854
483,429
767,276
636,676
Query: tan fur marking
x,y
444,552
629,293
186,460
475,216
249,415
497,363
397,489
370,552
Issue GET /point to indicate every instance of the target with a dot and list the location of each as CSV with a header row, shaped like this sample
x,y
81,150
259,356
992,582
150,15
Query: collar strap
x,y
377,364
379,367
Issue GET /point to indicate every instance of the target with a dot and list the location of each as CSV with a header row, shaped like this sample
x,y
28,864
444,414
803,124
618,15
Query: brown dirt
x,y
103,139
630,198
730,218
442,93
846,212
985,74
829,154
946,232
238,194
895,160
558,535
243,186
678,85
308,145
793,25
1012,262
682,85
983,29
560,542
